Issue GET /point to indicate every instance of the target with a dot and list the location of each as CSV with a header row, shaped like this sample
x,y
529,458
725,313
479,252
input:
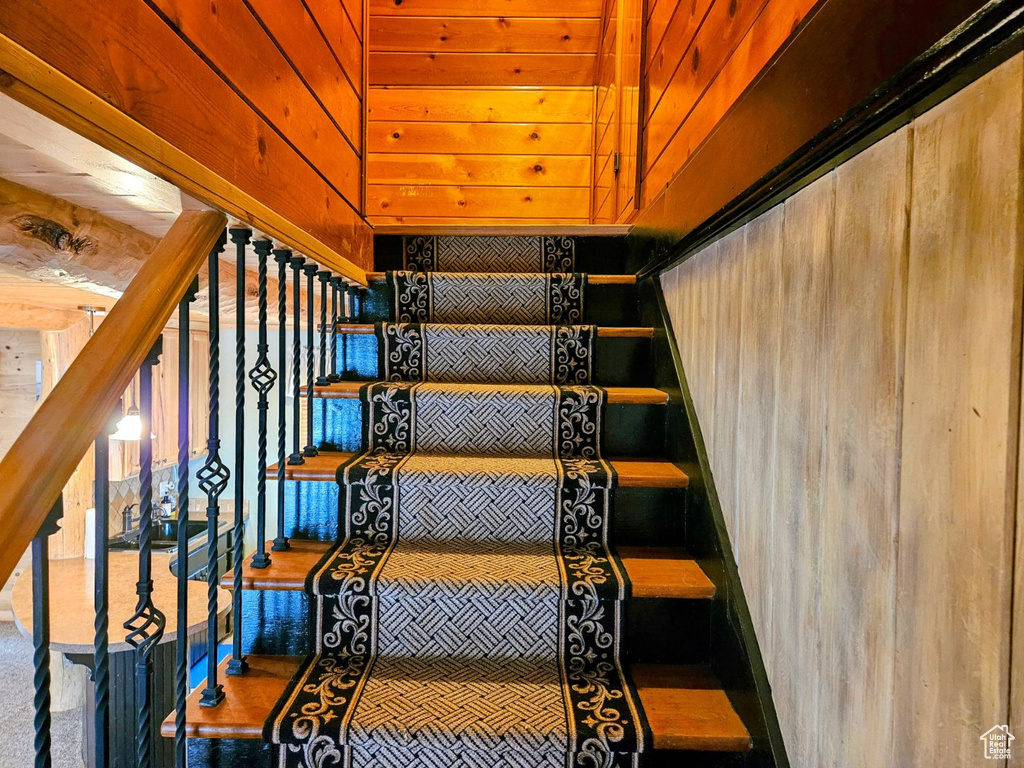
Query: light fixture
x,y
129,428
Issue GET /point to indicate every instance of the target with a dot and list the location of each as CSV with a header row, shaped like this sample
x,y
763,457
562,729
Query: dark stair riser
x,y
657,631
600,255
618,362
254,753
641,517
612,304
636,430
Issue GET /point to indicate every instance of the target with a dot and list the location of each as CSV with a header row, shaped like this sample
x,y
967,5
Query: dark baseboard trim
x,y
735,654
986,39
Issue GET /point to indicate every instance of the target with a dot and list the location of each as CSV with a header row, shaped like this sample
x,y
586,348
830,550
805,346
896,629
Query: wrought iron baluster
x,y
325,281
281,257
181,672
41,632
351,314
263,377
101,571
297,264
240,236
336,283
310,271
146,626
213,479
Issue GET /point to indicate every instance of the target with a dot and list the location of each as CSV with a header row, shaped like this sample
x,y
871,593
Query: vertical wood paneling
x,y
799,481
758,352
728,275
957,493
876,460
867,284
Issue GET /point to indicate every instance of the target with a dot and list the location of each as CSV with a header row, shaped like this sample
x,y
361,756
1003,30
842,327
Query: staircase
x,y
487,562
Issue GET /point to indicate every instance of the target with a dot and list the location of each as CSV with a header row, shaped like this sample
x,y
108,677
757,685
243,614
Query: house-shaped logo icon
x,y
997,742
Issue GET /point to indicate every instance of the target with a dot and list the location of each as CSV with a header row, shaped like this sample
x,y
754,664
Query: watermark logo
x,y
997,742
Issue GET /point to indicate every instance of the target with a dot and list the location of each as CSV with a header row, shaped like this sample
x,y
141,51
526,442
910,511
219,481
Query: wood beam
x,y
54,241
36,318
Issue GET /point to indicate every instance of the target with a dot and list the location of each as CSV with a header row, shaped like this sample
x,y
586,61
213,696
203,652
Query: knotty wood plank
x,y
959,443
687,709
480,138
663,60
487,8
860,515
477,202
233,40
506,170
458,69
343,35
633,473
248,700
483,35
756,456
799,485
422,225
725,25
593,230
482,105
768,34
303,39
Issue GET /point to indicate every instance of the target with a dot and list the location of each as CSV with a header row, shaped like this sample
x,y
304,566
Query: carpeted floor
x,y
16,731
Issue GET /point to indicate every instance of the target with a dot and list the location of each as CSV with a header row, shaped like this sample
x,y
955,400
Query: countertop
x,y
72,595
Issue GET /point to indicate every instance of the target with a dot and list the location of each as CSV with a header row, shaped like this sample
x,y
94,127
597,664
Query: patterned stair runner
x,y
472,613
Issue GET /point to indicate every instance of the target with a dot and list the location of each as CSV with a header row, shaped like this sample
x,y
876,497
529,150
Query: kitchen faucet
x,y
128,517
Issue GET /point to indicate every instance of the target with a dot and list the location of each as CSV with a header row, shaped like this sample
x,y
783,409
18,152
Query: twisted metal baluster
x,y
297,264
146,626
310,271
333,376
41,632
325,280
281,257
351,293
213,479
238,665
263,377
101,624
184,404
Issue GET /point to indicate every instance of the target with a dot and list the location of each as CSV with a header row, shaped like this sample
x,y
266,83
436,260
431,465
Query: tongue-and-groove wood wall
x,y
481,110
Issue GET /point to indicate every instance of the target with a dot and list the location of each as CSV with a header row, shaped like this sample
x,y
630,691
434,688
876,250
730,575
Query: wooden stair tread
x,y
380,277
248,700
348,390
633,473
609,332
687,709
653,571
685,706
665,572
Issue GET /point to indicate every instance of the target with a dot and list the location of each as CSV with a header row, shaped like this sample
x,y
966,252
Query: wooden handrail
x,y
42,459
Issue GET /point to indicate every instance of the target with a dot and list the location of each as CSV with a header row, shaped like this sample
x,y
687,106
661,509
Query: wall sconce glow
x,y
130,427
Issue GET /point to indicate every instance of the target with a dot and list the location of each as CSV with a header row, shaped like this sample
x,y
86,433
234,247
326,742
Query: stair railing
x,y
82,410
